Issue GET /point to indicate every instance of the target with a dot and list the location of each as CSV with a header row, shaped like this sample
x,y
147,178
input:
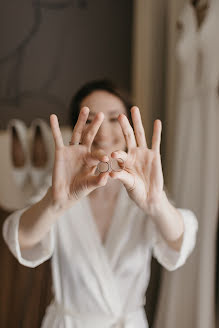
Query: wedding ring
x,y
103,167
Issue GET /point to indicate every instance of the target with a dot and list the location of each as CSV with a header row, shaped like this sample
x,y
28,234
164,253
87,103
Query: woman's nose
x,y
104,131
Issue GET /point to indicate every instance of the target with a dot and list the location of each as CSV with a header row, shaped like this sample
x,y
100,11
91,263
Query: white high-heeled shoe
x,y
41,154
19,152
15,187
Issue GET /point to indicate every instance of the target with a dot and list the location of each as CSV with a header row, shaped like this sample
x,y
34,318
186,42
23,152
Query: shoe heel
x,y
18,151
42,153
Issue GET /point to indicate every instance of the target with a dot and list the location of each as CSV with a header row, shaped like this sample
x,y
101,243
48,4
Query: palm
x,y
142,174
74,166
65,171
143,165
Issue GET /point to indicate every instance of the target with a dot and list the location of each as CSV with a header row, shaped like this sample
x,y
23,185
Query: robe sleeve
x,y
166,256
30,257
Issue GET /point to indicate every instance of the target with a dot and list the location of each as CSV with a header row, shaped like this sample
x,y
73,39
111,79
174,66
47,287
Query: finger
x,y
127,131
95,182
126,178
119,154
91,131
79,127
156,139
138,127
57,136
96,156
158,176
121,158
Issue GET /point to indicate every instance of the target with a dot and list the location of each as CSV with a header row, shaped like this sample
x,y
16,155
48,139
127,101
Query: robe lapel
x,y
117,229
102,255
90,254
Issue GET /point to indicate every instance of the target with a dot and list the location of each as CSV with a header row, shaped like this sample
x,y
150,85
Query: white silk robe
x,y
100,285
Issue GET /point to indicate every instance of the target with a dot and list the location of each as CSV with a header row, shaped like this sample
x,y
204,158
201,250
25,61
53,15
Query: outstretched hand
x,y
75,164
142,175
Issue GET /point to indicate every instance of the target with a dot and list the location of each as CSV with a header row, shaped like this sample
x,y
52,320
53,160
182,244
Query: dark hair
x,y
95,85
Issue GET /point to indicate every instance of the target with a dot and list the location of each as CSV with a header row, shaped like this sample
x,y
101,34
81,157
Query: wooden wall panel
x,y
24,292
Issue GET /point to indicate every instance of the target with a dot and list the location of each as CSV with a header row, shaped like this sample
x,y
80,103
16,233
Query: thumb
x,y
126,178
94,182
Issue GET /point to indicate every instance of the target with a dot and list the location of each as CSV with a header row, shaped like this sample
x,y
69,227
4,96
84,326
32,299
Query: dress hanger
x,y
201,8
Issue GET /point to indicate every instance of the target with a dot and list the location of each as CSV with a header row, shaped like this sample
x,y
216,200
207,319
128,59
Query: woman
x,y
101,227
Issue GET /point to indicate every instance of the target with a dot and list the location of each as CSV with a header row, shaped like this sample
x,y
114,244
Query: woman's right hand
x,y
74,165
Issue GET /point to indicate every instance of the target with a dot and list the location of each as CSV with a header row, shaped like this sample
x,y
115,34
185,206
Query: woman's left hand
x,y
142,175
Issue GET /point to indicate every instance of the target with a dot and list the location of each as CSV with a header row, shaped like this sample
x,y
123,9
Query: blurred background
x,y
165,55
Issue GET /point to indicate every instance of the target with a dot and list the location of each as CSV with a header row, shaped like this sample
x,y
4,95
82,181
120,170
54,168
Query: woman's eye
x,y
113,119
88,121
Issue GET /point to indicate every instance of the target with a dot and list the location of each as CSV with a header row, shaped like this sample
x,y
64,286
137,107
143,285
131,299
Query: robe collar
x,y
103,255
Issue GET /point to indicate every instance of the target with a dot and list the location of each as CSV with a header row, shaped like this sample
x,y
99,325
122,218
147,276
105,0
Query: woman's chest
x,y
82,256
79,243
79,234
102,215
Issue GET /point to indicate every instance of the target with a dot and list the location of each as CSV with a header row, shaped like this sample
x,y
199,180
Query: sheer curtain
x,y
190,114
148,80
148,65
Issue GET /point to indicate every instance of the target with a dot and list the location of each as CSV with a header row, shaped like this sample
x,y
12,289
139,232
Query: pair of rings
x,y
115,165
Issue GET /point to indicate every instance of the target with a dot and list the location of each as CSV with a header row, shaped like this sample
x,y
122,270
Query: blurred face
x,y
109,136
